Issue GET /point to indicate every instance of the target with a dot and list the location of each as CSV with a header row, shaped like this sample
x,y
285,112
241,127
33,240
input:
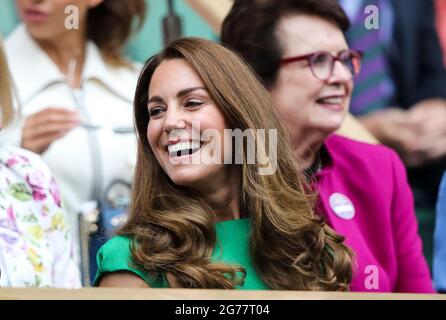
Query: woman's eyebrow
x,y
155,99
184,92
180,94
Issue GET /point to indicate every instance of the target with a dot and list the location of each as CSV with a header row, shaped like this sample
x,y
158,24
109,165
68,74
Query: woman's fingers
x,y
45,126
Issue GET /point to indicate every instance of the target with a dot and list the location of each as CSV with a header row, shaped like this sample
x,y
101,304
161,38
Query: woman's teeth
x,y
183,148
330,100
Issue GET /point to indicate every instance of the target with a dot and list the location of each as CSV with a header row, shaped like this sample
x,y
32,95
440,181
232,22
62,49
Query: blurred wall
x,y
149,40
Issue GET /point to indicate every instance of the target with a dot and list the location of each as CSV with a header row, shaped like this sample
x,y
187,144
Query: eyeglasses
x,y
322,62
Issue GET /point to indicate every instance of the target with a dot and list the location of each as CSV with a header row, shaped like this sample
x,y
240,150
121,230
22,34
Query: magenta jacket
x,y
365,196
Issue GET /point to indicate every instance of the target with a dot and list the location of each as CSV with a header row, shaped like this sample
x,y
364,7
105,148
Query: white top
x,y
84,161
36,248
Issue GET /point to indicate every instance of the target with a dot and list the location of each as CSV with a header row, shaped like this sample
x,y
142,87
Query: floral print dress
x,y
36,249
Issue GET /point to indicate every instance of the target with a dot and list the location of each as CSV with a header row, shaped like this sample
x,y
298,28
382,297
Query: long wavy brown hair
x,y
172,227
110,25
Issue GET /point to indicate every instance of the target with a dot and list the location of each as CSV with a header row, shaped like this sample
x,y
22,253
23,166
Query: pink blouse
x,y
365,196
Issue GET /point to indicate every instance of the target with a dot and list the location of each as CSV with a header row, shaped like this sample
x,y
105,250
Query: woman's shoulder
x,y
23,162
343,147
120,76
17,38
29,182
21,152
116,244
113,256
116,256
116,252
373,163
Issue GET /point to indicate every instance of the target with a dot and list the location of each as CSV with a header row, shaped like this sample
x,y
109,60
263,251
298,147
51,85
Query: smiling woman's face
x,y
303,101
180,110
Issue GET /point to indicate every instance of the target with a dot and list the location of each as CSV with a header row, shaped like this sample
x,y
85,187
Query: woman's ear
x,y
94,3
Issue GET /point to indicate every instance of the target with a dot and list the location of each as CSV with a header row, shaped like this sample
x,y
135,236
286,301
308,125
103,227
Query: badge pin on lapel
x,y
342,206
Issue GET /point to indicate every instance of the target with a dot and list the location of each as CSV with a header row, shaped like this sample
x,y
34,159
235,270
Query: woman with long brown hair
x,y
75,88
196,223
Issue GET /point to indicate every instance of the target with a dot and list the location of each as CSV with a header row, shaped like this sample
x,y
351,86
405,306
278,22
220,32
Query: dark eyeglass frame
x,y
339,57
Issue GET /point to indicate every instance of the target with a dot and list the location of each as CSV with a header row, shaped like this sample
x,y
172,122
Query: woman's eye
x,y
320,59
193,103
155,111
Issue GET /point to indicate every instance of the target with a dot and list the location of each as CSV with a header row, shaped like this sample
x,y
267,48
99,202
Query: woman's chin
x,y
40,32
186,177
197,177
329,125
327,120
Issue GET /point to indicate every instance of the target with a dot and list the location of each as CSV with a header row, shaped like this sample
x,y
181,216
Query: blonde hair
x,y
7,110
172,227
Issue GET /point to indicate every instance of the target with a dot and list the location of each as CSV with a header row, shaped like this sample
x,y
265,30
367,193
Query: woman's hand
x,y
428,119
45,126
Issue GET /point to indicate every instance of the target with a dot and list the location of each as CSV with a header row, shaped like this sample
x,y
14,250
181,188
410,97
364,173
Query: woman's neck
x,y
68,53
307,145
225,200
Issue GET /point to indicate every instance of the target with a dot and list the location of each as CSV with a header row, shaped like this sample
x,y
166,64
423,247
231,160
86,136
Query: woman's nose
x,y
174,119
341,73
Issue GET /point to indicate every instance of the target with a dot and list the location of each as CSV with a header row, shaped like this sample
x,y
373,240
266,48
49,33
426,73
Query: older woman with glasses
x,y
298,49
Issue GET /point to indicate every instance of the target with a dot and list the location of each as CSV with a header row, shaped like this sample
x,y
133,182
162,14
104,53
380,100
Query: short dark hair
x,y
250,26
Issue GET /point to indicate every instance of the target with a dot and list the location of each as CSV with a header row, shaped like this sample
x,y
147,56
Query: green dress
x,y
232,247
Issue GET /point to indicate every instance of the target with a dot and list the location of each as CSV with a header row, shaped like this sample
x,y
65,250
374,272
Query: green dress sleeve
x,y
115,255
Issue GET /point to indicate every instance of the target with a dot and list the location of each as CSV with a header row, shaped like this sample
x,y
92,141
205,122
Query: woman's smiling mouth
x,y
183,148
